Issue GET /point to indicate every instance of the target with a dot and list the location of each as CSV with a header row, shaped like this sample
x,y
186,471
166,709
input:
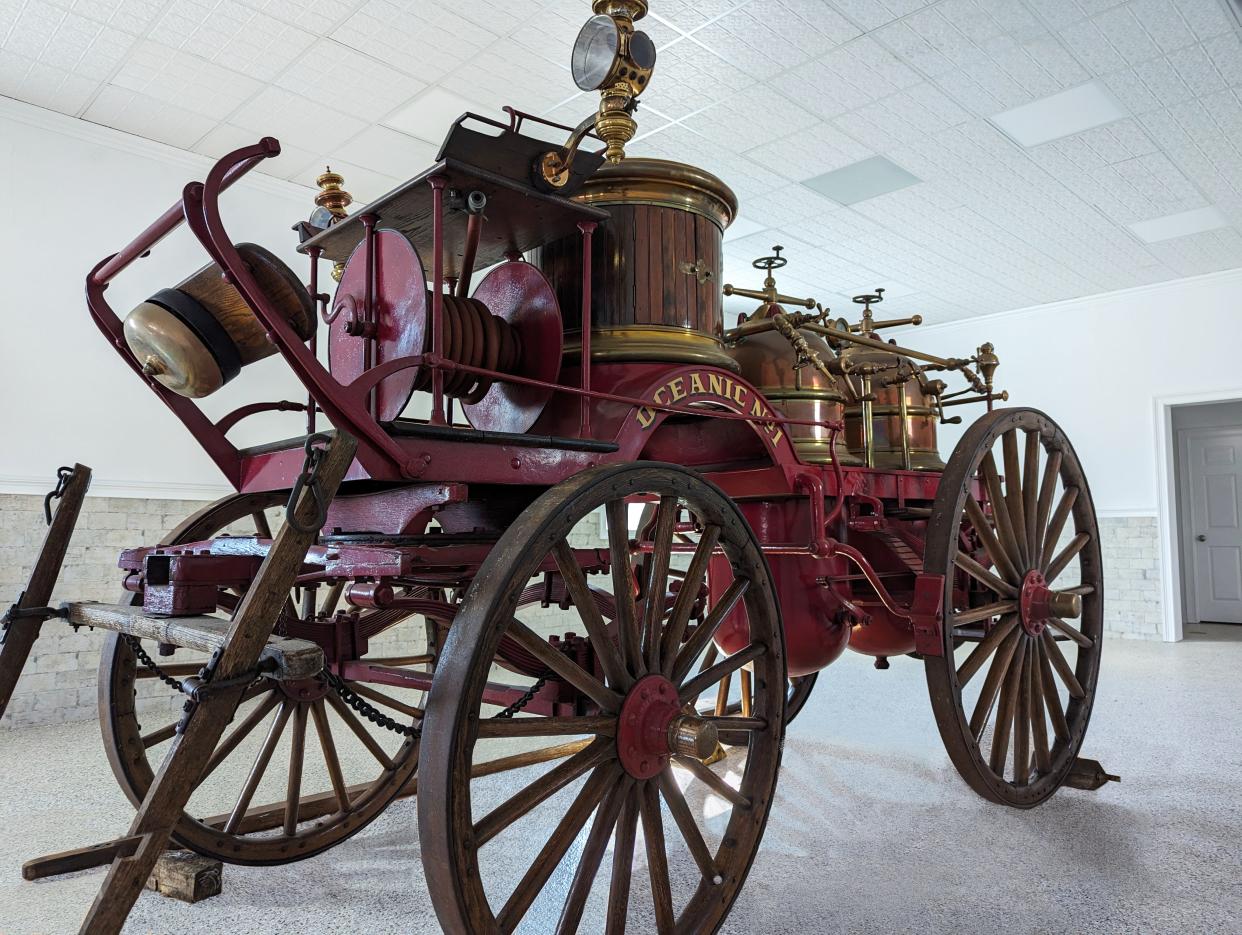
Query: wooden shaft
x,y
23,632
249,631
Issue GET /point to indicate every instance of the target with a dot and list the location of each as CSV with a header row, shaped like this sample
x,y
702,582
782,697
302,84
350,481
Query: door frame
x,y
1167,513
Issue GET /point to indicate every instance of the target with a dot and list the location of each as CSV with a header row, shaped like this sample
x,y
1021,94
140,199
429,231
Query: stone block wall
x,y
59,682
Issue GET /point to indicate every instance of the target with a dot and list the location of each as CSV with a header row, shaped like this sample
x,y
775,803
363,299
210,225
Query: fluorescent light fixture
x,y
862,180
1063,114
1182,224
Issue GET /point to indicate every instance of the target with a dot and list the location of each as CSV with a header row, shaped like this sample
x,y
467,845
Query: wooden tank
x,y
656,265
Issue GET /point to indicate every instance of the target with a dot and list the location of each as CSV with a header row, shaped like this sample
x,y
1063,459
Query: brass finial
x,y
331,195
988,362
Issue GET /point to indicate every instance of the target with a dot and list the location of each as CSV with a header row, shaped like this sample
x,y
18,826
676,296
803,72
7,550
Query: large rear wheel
x,y
522,849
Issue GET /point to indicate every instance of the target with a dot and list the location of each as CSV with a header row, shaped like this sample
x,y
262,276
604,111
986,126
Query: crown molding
x,y
80,129
129,489
1227,277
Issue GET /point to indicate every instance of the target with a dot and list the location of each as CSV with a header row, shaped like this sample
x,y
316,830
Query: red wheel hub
x,y
642,729
1033,602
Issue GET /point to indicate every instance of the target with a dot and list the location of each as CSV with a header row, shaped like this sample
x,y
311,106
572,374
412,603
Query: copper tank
x,y
766,360
655,283
901,429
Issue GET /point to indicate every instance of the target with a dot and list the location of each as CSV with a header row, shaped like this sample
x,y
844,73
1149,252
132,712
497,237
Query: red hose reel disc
x,y
512,324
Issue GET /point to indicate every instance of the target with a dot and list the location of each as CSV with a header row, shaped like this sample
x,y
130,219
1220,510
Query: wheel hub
x,y
652,728
1037,602
305,690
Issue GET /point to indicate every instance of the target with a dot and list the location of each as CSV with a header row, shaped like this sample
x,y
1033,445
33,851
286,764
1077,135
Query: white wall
x,y
1097,365
74,193
1207,416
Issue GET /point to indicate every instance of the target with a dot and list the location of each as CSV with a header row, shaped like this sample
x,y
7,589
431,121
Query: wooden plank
x,y
80,858
189,751
22,633
291,658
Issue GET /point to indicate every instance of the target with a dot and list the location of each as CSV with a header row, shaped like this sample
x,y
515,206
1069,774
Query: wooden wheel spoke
x,y
167,732
538,792
387,700
719,672
704,632
1035,709
592,855
1062,666
561,725
980,654
987,612
588,612
747,695
259,767
690,833
1015,494
622,864
261,525
1047,490
364,735
240,733
656,592
554,849
1030,494
987,535
1066,555
626,619
983,576
1006,712
1000,513
992,683
713,780
1074,634
657,859
297,754
722,694
1022,723
333,763
563,666
686,598
1052,534
1052,697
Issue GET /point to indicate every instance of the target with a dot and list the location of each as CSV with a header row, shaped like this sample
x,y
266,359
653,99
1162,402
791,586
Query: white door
x,y
1213,460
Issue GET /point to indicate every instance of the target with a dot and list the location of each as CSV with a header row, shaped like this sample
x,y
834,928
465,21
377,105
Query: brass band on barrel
x,y
663,183
651,342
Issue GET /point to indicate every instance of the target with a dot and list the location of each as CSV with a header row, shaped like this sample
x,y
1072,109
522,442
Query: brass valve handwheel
x,y
869,299
769,263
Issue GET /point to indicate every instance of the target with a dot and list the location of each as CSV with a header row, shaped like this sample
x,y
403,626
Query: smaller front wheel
x,y
508,845
1014,534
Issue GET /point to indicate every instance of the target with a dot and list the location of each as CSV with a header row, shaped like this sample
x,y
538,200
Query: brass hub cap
x,y
652,727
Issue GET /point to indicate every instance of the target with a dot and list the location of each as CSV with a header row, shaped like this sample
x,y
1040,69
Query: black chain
x,y
369,711
524,700
136,645
309,477
62,481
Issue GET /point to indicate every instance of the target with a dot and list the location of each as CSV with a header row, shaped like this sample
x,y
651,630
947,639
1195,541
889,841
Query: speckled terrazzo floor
x,y
872,830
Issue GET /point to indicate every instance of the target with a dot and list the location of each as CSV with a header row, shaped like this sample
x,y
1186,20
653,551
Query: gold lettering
x,y
696,382
646,417
739,394
716,384
678,388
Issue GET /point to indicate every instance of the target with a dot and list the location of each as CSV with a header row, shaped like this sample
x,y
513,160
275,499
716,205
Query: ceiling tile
x,y
297,121
145,116
429,115
354,83
132,16
388,152
27,79
231,34
224,138
364,184
317,16
67,42
195,84
426,41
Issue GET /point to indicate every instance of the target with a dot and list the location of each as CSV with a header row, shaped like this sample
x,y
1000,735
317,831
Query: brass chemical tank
x,y
196,337
655,283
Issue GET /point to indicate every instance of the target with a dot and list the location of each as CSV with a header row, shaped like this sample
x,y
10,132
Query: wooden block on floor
x,y
186,876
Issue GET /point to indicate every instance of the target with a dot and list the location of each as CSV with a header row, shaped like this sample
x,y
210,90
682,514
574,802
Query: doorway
x,y
1207,449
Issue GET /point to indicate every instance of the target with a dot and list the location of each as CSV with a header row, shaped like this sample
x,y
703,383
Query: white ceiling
x,y
766,93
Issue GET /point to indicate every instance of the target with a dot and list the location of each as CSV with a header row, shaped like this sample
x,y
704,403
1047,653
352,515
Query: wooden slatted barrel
x,y
655,280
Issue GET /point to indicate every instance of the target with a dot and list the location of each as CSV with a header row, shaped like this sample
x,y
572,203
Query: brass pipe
x,y
1003,396
768,297
867,427
904,411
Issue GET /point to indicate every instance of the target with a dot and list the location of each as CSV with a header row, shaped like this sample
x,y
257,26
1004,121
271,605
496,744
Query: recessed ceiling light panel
x,y
862,180
1182,224
1063,114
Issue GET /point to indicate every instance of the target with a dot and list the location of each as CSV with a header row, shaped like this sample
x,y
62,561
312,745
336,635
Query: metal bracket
x,y
927,614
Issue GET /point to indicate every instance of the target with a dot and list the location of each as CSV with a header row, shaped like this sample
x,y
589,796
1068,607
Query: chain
x,y
369,711
523,701
62,481
136,645
309,478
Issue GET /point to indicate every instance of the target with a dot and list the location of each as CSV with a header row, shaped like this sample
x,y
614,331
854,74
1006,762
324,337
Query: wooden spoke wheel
x,y
318,769
721,699
522,849
1013,532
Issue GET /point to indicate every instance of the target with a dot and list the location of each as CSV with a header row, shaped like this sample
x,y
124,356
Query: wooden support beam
x,y
287,658
248,634
23,631
81,858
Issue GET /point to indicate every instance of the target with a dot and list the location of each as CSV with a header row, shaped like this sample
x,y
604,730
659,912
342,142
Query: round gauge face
x,y
595,50
322,218
642,50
